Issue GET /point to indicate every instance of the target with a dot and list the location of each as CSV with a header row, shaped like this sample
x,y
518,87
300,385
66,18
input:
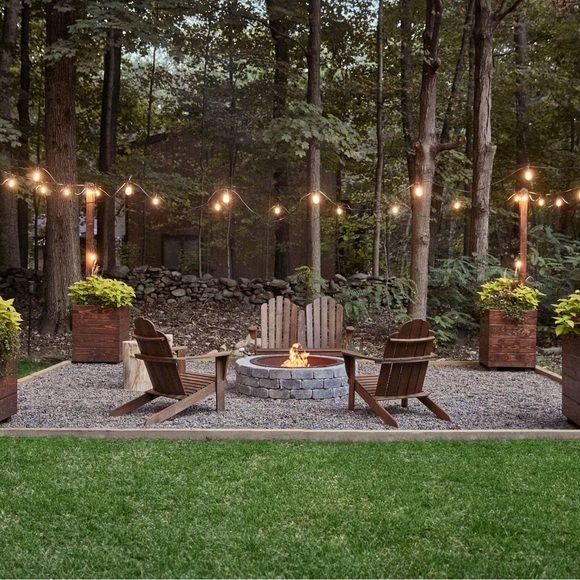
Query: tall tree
x,y
9,250
110,99
406,67
279,24
314,99
379,167
486,22
63,264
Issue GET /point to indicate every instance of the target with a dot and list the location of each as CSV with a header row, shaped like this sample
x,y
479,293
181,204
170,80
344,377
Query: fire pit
x,y
297,376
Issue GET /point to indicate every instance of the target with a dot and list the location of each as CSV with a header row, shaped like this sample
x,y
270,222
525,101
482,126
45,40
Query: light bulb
x,y
43,189
226,198
129,189
66,191
517,197
97,192
217,206
395,210
559,202
11,182
456,204
518,264
541,202
92,257
156,201
578,195
315,198
339,211
528,174
277,210
36,175
418,191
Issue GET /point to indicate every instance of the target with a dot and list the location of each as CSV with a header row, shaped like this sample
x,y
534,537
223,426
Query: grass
x,y
28,366
81,508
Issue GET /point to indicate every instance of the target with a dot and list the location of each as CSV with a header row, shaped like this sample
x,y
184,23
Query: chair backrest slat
x,y
405,378
164,377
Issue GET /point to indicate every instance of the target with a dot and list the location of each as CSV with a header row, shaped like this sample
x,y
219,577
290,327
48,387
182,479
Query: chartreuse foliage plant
x,y
98,291
568,315
10,321
510,296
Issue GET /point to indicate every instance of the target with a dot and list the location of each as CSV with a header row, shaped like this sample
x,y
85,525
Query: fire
x,y
297,357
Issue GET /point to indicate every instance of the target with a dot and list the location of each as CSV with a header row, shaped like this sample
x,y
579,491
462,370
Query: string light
x,y
517,198
457,204
129,189
339,210
277,209
315,198
36,175
395,210
43,189
528,174
578,195
156,200
418,190
226,197
217,206
66,191
541,202
518,265
93,258
559,202
11,182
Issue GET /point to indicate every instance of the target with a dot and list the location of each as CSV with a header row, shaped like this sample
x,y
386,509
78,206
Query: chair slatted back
x,y
324,324
414,339
279,321
164,375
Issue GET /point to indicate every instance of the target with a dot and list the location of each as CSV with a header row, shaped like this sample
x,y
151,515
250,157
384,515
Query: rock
x,y
120,272
360,276
227,294
178,292
339,278
279,284
189,278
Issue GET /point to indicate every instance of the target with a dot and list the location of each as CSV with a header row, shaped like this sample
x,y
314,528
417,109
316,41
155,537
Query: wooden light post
x,y
522,264
90,250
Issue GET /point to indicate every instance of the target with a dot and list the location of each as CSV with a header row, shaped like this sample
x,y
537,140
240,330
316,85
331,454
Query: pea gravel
x,y
81,396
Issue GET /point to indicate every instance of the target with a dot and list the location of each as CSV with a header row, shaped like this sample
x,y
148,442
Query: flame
x,y
297,357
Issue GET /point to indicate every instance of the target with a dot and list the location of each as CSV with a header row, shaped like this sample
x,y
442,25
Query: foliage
x,y
510,296
10,321
98,291
310,281
568,311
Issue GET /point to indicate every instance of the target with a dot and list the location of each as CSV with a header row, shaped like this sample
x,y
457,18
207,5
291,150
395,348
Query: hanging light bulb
x,y
541,202
418,190
97,192
36,175
339,210
517,198
528,174
578,195
11,182
457,204
518,265
93,258
395,210
226,197
217,206
156,200
315,198
43,189
277,209
66,191
559,202
129,189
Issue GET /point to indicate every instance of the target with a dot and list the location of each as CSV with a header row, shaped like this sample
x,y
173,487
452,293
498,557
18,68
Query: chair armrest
x,y
220,354
410,359
353,354
253,332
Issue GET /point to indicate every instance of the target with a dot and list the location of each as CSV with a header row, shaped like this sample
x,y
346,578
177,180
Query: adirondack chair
x,y
168,380
402,375
319,328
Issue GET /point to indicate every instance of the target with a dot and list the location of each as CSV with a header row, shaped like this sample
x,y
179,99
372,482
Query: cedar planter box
x,y
98,333
8,390
504,343
571,378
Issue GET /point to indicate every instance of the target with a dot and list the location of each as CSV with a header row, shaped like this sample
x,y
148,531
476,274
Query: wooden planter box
x,y
504,343
98,333
8,391
571,378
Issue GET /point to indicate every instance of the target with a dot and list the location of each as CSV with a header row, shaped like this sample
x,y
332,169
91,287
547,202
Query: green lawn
x,y
82,508
27,366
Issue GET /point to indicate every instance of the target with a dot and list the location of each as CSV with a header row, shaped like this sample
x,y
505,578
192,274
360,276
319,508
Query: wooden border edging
x,y
549,374
296,434
42,372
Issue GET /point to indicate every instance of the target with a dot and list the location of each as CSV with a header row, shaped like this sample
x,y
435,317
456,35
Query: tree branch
x,y
449,145
504,10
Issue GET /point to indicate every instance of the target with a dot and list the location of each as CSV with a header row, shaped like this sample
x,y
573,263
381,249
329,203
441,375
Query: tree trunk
x,y
522,96
468,122
279,28
426,150
108,146
314,98
406,61
379,168
486,22
63,265
23,106
9,246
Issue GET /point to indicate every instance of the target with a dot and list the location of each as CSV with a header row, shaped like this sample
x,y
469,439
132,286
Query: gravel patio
x,y
81,396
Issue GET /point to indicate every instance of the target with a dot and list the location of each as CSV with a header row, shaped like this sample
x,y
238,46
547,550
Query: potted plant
x,y
10,321
568,327
508,324
100,319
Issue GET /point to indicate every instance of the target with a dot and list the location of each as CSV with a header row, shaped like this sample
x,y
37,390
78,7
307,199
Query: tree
x,y
314,99
63,265
406,66
9,241
379,168
486,22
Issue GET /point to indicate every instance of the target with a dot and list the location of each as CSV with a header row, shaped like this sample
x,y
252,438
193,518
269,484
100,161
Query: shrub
x,y
10,321
568,311
98,291
510,296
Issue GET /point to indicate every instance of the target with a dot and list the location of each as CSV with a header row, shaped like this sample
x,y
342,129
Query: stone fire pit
x,y
263,376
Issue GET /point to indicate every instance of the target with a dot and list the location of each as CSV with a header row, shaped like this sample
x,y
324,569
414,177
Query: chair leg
x,y
132,405
435,408
377,407
404,403
179,406
220,395
350,366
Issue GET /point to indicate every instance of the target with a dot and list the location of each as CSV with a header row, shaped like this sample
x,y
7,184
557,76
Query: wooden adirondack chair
x,y
402,375
318,329
167,379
